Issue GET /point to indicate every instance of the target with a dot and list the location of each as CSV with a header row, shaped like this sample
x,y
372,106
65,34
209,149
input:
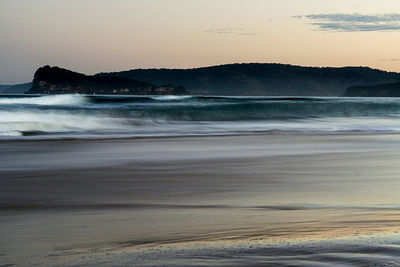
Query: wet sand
x,y
257,200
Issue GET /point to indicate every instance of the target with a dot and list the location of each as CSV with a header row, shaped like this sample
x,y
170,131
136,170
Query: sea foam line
x,y
51,100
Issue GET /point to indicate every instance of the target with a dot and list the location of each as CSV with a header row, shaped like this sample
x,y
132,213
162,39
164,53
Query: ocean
x,y
199,181
83,116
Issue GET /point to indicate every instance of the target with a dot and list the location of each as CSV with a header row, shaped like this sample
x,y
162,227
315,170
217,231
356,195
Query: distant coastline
x,y
15,88
252,79
263,79
378,90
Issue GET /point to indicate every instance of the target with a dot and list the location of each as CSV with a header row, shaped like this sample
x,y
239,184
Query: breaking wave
x,y
170,97
80,115
51,100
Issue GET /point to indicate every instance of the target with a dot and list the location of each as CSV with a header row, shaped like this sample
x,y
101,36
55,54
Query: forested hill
x,y
263,79
55,80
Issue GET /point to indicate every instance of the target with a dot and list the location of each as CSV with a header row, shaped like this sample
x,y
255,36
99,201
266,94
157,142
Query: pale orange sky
x,y
91,36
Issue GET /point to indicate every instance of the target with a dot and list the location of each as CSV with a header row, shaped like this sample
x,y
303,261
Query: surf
x,y
114,116
50,100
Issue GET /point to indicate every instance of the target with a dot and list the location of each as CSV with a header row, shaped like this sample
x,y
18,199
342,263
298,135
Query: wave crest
x,y
83,115
51,100
170,97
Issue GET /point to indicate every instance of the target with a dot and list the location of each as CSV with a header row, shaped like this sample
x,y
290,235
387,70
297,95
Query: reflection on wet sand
x,y
238,200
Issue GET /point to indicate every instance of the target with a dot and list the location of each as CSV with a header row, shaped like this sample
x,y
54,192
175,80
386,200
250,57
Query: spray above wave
x,y
77,115
51,100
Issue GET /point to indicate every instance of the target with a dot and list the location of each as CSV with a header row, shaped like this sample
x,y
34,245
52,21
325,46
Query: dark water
x,y
121,116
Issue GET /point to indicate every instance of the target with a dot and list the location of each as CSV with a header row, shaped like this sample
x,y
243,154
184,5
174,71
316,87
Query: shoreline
x,y
48,137
145,201
365,246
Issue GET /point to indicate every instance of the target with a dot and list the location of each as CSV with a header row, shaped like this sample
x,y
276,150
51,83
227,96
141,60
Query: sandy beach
x,y
222,200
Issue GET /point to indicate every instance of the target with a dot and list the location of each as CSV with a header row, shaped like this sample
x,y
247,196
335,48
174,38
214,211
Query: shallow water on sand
x,y
279,200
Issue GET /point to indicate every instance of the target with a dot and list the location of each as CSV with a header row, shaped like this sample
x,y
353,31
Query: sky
x,y
92,36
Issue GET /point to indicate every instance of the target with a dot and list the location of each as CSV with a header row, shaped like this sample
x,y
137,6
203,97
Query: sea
x,y
94,180
97,116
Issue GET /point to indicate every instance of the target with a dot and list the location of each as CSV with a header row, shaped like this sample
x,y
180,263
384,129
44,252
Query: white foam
x,y
170,97
15,122
54,100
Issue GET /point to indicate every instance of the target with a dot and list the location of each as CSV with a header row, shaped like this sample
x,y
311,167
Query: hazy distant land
x,y
379,90
15,89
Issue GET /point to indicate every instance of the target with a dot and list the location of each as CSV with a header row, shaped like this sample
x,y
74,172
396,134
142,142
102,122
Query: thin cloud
x,y
354,22
389,59
233,31
247,33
